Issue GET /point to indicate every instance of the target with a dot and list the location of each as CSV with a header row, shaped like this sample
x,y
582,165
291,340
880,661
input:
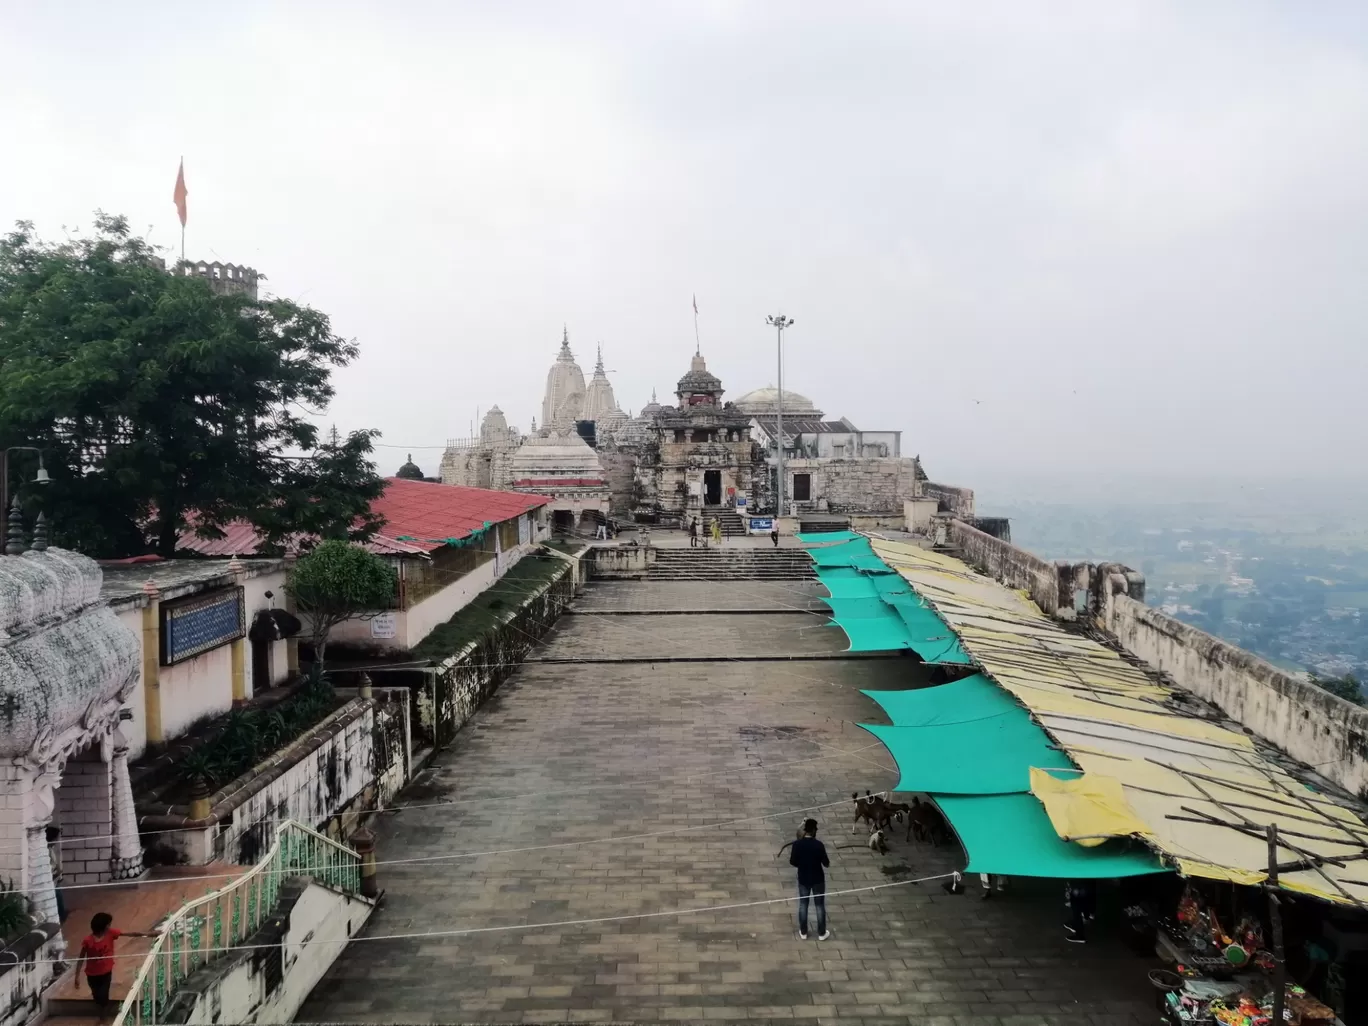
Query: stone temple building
x,y
701,455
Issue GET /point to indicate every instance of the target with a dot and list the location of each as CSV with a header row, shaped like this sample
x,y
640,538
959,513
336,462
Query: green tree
x,y
339,581
161,404
1346,687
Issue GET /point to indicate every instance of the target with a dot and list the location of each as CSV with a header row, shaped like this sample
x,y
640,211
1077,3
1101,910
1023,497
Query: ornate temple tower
x,y
563,403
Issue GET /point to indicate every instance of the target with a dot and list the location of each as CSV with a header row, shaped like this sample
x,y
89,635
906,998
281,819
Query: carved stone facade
x,y
703,454
67,665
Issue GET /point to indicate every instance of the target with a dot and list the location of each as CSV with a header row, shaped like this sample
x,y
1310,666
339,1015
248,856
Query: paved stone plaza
x,y
617,787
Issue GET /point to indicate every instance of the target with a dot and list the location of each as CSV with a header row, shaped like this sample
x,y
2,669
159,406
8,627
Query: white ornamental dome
x,y
765,402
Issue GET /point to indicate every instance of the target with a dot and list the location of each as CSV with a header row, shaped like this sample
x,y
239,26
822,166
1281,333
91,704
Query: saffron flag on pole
x,y
179,195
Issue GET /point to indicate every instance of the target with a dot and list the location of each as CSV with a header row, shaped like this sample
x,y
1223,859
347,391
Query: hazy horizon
x,y
1050,242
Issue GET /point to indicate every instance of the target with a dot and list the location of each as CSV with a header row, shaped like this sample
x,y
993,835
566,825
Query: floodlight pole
x,y
780,322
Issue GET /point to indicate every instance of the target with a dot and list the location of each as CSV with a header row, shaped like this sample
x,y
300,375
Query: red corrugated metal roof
x,y
428,513
419,517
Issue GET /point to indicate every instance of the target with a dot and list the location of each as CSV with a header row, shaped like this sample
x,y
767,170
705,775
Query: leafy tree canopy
x,y
1345,687
154,398
337,581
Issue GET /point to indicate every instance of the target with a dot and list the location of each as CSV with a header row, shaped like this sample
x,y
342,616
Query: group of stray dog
x,y
924,820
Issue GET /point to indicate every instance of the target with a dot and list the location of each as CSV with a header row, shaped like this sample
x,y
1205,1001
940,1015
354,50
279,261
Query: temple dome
x,y
599,402
409,471
651,409
564,399
765,402
559,457
699,381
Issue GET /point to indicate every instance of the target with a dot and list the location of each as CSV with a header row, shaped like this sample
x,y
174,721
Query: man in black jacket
x,y
809,855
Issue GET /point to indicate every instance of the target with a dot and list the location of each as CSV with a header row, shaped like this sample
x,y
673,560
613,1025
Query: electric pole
x,y
780,322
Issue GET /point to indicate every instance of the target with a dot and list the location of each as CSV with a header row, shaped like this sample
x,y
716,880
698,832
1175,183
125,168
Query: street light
x,y
780,322
41,477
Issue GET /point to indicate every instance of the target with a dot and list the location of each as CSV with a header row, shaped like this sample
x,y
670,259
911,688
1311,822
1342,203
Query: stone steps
x,y
714,564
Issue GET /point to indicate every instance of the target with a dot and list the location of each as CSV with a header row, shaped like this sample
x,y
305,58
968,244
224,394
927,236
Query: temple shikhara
x,y
704,454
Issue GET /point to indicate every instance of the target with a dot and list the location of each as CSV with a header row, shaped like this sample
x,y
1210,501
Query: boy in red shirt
x,y
97,952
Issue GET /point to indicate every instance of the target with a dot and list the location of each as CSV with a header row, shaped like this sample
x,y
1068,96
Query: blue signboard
x,y
195,625
740,501
761,525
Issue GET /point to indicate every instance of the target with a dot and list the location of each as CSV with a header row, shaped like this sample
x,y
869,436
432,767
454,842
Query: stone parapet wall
x,y
1305,721
1008,564
959,501
462,683
270,978
28,966
358,756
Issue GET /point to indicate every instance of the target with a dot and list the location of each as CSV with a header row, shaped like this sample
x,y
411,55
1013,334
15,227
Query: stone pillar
x,y
364,843
126,862
291,607
239,647
42,891
151,663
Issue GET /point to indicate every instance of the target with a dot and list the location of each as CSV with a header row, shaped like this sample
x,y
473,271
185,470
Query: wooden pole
x,y
1275,921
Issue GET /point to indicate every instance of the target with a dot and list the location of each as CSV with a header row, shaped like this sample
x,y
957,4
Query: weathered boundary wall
x,y
357,755
268,981
462,683
1008,564
28,966
1307,722
622,560
959,501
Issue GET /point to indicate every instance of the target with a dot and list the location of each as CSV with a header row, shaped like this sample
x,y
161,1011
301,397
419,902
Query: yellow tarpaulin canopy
x,y
1202,790
1089,809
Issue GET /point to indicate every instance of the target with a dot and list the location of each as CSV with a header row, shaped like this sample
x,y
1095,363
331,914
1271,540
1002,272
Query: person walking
x,y
809,857
602,533
693,533
717,532
97,957
774,536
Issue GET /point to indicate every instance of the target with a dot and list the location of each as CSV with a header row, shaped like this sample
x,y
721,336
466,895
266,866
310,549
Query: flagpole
x,y
698,346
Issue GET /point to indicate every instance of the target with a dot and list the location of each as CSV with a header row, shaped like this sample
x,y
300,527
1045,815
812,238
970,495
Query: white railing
x,y
208,928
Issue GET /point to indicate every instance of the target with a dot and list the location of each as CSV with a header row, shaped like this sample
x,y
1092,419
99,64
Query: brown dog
x,y
926,823
867,808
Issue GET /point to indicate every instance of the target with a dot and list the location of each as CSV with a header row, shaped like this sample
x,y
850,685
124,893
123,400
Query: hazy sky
x,y
1063,236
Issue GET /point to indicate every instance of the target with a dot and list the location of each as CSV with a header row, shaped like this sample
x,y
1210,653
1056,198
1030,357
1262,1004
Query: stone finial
x,y
235,566
151,590
40,533
14,536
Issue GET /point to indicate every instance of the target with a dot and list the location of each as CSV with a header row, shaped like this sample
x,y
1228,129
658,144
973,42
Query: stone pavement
x,y
588,802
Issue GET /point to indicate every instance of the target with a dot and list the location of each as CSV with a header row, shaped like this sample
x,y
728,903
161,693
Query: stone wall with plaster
x,y
461,684
1305,721
1008,564
269,980
952,499
868,486
358,755
28,966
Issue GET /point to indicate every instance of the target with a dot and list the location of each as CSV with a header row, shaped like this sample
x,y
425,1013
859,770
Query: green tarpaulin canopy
x,y
1010,835
875,607
993,755
960,701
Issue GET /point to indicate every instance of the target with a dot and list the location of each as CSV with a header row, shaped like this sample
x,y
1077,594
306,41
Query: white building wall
x,y
203,686
414,624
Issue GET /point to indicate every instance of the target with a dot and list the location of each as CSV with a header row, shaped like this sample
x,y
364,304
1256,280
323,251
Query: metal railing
x,y
208,928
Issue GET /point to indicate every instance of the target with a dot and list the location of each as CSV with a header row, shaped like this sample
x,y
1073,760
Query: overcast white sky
x,y
1033,236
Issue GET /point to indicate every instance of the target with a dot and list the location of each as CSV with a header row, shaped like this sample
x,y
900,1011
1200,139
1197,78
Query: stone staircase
x,y
736,564
732,524
817,524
